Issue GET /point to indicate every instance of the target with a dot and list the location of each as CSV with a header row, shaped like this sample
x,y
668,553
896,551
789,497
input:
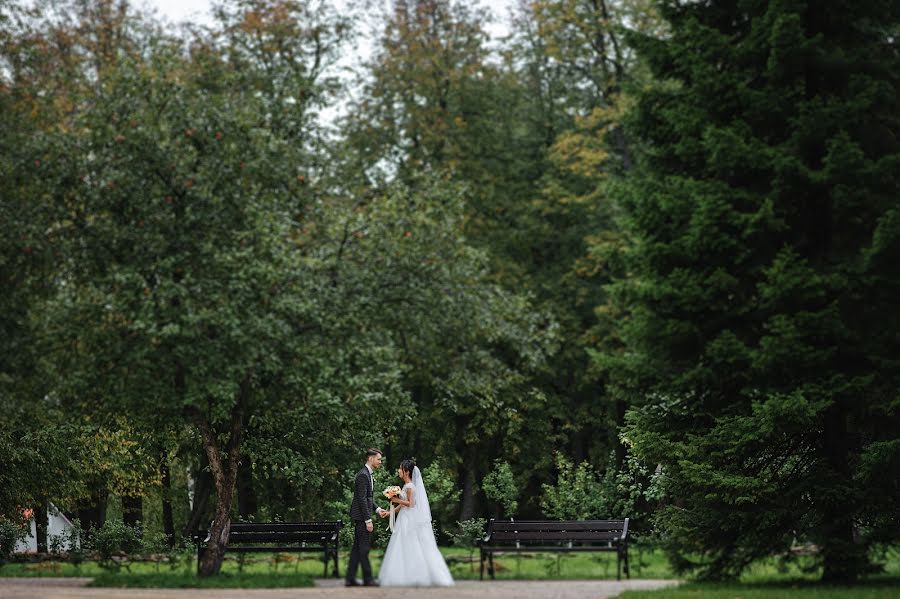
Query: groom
x,y
361,513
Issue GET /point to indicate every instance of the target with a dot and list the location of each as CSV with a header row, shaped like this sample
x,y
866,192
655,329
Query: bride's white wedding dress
x,y
412,558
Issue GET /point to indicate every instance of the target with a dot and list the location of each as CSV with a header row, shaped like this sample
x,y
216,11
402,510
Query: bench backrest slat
x,y
285,526
241,533
556,532
573,526
280,537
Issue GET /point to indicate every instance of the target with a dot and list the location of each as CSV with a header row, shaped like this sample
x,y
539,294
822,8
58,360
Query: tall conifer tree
x,y
767,228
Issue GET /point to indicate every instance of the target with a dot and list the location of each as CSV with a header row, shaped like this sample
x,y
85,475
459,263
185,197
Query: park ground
x,y
518,577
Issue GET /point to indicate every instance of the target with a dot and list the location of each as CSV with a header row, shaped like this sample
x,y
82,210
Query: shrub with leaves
x,y
500,486
154,545
72,542
443,494
577,494
10,534
116,540
467,534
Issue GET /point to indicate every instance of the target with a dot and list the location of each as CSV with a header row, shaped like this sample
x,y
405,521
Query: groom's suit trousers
x,y
359,554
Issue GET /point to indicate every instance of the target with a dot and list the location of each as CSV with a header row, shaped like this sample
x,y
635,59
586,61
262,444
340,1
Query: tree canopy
x,y
638,258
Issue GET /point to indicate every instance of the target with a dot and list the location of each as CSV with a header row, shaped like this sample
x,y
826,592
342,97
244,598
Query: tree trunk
x,y
621,407
224,475
579,453
468,505
843,559
132,510
203,485
211,562
246,495
93,514
168,520
40,525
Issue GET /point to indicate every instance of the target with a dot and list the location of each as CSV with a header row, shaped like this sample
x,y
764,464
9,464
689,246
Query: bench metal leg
x,y
199,557
619,564
325,563
627,567
491,564
335,556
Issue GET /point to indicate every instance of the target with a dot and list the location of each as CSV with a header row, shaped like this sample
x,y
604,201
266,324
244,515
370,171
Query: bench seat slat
x,y
566,522
271,549
542,535
285,527
501,549
599,525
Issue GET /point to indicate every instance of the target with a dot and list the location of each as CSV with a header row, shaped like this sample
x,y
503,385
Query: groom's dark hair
x,y
372,451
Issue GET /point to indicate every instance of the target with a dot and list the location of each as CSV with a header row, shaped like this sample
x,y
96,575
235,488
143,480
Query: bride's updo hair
x,y
407,466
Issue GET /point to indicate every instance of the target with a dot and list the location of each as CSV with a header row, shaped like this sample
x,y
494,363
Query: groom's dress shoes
x,y
352,583
370,583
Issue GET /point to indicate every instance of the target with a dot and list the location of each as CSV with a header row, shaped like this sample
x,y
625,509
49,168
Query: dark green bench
x,y
554,536
280,537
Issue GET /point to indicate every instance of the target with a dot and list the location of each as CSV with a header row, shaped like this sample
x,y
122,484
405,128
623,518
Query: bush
x,y
71,544
467,534
116,540
500,486
577,494
181,553
443,494
10,534
153,545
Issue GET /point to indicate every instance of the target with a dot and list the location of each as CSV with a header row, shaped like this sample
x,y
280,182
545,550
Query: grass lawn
x,y
872,590
183,580
767,579
518,566
644,564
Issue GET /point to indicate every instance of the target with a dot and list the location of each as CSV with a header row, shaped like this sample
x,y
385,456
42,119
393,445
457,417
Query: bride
x,y
412,558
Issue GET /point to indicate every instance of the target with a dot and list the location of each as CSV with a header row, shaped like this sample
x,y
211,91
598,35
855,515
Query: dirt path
x,y
72,588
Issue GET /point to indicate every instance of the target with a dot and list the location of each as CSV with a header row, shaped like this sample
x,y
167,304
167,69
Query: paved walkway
x,y
72,588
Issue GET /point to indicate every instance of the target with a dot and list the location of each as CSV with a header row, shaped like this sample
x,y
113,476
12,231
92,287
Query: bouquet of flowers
x,y
389,492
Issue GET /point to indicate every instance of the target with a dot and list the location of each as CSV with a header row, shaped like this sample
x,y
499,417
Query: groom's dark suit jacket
x,y
363,505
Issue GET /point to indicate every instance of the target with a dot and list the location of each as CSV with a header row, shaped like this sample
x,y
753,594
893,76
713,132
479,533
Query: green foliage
x,y
189,580
116,544
581,493
467,535
443,493
762,379
10,533
469,532
767,591
500,486
576,494
504,252
72,544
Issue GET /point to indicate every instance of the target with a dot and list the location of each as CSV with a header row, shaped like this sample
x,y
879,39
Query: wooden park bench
x,y
280,537
543,536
